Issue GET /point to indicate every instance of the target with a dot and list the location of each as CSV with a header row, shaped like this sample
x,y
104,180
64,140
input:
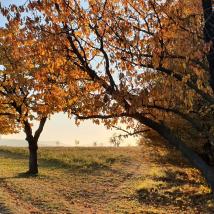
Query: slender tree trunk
x,y
187,152
33,144
33,164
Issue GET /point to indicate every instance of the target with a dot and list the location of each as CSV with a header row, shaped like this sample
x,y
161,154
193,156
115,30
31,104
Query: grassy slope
x,y
101,180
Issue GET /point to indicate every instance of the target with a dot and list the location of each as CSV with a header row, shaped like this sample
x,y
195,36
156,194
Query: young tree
x,y
20,101
32,84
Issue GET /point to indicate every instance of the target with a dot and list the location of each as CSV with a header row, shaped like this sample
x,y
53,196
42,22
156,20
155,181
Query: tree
x,y
115,140
20,101
139,63
77,142
32,85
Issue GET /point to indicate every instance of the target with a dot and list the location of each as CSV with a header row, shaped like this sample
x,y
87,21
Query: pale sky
x,y
60,128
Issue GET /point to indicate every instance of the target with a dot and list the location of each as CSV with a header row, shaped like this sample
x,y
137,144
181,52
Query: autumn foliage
x,y
142,63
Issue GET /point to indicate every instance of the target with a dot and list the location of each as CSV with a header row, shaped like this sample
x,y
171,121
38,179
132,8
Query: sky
x,y
60,128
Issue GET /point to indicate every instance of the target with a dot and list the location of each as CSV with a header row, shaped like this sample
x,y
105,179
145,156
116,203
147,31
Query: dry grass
x,y
102,180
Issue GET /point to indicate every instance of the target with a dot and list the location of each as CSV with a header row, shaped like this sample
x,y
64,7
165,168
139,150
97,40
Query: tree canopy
x,y
137,54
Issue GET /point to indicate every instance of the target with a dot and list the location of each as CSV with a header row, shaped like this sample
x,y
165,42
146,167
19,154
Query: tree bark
x,y
33,163
33,144
187,152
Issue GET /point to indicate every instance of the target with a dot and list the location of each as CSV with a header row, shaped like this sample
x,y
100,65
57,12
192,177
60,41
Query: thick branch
x,y
195,123
99,116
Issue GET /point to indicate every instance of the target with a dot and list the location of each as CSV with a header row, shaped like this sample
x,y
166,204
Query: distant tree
x,y
115,140
57,143
77,142
95,144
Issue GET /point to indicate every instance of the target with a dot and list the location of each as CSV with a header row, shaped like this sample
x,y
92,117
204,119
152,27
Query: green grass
x,y
101,180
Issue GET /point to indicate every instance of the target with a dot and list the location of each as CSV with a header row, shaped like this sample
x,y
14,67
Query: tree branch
x,y
99,116
40,129
129,133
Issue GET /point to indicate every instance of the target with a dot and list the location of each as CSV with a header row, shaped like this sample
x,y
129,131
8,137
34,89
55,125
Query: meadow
x,y
101,181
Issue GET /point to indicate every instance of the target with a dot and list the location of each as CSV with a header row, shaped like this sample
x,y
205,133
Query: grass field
x,y
101,180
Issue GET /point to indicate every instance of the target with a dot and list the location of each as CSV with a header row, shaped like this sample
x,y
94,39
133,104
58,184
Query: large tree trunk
x,y
187,152
190,154
33,164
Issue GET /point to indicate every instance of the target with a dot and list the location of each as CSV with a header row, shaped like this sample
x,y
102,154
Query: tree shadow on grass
x,y
172,157
164,154
176,198
75,165
78,166
26,175
14,155
179,178
176,190
180,185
